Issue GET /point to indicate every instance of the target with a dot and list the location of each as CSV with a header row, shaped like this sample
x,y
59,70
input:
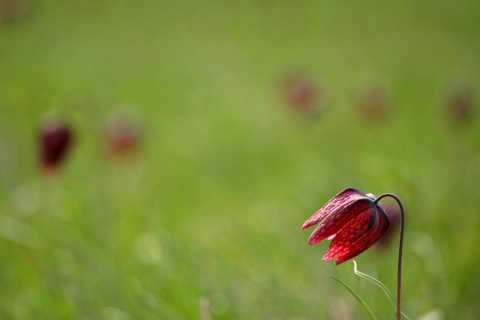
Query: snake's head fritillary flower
x,y
354,221
55,139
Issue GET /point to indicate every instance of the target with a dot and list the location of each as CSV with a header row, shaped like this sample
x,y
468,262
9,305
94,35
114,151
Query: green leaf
x,y
360,300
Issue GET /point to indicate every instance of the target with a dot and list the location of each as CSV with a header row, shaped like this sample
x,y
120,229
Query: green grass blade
x,y
375,282
360,300
378,284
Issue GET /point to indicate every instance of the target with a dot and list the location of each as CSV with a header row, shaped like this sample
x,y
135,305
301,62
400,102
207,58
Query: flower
x,y
461,103
13,10
54,142
300,94
122,133
373,102
353,221
122,138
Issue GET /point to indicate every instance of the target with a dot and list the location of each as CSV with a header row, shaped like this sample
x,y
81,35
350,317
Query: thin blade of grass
x,y
360,300
378,284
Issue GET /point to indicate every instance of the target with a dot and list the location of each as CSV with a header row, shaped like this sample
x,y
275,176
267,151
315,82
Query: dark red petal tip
x,y
337,203
339,219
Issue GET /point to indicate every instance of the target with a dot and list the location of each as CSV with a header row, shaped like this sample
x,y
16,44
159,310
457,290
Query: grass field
x,y
210,208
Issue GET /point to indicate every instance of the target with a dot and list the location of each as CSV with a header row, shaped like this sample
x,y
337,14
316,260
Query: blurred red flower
x,y
373,100
122,133
54,142
353,221
300,94
122,138
13,10
461,103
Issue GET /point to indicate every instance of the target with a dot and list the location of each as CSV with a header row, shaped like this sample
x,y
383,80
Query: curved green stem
x,y
398,312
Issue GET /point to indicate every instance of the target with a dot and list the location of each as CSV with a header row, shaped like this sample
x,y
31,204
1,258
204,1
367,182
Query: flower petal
x,y
338,219
334,205
346,238
347,244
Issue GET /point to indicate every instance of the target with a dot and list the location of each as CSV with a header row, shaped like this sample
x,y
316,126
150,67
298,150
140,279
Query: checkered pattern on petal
x,y
338,203
358,236
336,221
353,221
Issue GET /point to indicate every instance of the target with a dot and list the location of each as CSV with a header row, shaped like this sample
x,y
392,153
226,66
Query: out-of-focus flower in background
x,y
12,10
460,103
122,134
55,139
301,95
372,98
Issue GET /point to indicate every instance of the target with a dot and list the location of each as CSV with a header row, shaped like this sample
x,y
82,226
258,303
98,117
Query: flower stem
x,y
398,312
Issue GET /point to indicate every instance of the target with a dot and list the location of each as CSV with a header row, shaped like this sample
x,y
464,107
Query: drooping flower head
x,y
353,221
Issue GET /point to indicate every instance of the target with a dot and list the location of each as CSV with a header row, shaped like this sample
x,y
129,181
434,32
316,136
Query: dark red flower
x,y
55,139
353,221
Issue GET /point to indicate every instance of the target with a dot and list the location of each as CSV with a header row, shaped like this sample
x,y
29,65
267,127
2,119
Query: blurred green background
x,y
210,207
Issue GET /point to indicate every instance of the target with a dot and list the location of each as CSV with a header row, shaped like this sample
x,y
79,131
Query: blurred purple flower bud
x,y
55,139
